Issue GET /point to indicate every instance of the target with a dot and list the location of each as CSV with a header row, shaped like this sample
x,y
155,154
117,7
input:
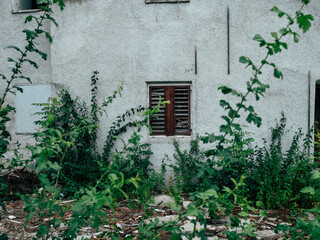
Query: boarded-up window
x,y
174,119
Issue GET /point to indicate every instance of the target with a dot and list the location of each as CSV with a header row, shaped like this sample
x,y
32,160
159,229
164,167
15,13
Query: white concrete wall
x,y
139,43
11,27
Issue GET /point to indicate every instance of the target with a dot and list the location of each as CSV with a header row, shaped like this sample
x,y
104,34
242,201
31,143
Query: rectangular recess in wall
x,y
167,1
25,110
25,6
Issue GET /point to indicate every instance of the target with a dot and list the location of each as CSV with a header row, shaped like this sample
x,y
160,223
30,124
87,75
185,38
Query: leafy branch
x,y
31,36
254,85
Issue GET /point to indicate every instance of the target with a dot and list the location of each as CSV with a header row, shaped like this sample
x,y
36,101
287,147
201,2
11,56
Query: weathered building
x,y
188,47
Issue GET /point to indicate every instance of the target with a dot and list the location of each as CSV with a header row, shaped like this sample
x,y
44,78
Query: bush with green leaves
x,y
254,86
302,228
257,88
68,115
67,119
21,57
185,166
274,175
277,176
50,156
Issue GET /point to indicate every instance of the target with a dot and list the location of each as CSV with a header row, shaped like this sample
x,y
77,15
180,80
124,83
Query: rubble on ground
x,y
13,221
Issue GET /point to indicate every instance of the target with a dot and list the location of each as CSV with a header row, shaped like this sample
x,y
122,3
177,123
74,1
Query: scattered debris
x,y
13,221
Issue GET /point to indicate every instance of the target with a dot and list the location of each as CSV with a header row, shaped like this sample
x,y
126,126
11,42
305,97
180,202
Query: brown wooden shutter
x,y
175,118
182,110
170,126
158,121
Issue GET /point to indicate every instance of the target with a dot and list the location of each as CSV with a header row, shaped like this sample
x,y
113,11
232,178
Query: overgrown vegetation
x,y
231,174
274,177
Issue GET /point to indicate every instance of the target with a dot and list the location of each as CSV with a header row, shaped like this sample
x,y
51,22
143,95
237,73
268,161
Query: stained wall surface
x,y
144,44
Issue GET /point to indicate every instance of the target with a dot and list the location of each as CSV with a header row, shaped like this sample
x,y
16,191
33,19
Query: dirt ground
x,y
13,222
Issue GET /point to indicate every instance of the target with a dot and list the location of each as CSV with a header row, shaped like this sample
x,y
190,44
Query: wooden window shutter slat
x,y
174,119
182,109
170,126
158,121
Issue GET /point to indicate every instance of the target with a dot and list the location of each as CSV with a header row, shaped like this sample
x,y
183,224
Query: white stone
x,y
185,204
197,238
163,220
188,227
268,234
162,200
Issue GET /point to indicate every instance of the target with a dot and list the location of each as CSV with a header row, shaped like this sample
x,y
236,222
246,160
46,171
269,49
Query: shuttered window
x,y
174,119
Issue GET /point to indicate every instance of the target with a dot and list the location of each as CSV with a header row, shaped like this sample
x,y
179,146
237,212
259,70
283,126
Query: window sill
x,y
167,1
166,139
26,11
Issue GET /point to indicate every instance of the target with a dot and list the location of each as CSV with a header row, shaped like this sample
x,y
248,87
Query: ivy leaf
x,y
30,34
258,38
210,138
244,59
304,22
31,62
236,126
15,48
52,19
28,19
77,207
11,60
309,190
19,89
316,175
193,210
284,31
42,54
254,118
50,118
226,119
225,89
60,3
27,78
48,36
305,1
224,103
225,128
277,10
295,37
207,194
3,76
277,73
263,213
284,45
274,35
233,114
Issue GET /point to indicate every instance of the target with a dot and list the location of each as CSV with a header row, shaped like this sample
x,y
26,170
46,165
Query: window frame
x,y
169,114
17,6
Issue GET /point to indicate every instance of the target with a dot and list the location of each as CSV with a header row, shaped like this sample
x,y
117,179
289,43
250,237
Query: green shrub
x,y
71,121
185,166
274,176
279,176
